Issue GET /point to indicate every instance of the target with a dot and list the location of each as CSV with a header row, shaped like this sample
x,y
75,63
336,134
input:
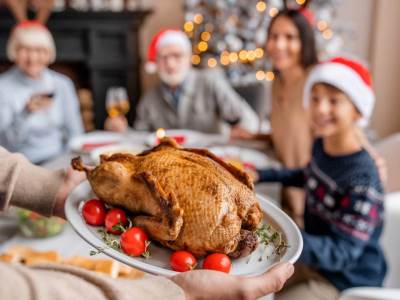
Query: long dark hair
x,y
308,54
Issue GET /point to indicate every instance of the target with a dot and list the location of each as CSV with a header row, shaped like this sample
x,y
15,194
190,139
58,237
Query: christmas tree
x,y
232,33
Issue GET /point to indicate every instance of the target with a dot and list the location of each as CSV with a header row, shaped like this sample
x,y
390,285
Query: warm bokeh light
x,y
322,25
212,62
202,46
260,75
259,52
188,26
269,76
225,58
261,6
233,57
198,18
327,34
196,59
251,55
205,36
300,2
273,12
243,55
160,133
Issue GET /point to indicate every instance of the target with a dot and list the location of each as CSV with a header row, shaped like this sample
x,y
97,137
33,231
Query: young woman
x,y
291,48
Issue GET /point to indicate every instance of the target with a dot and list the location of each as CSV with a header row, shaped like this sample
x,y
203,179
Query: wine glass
x,y
117,102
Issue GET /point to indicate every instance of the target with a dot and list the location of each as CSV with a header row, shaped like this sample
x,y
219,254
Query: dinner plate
x,y
119,148
257,263
87,142
242,155
186,138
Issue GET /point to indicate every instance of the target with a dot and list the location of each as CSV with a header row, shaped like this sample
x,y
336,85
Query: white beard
x,y
175,79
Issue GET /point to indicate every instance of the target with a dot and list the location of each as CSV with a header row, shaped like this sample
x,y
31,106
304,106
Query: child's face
x,y
332,112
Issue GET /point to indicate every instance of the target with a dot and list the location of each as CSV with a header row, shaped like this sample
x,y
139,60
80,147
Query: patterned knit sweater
x,y
343,216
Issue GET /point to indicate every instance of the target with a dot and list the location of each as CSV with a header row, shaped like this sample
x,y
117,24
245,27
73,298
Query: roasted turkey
x,y
184,198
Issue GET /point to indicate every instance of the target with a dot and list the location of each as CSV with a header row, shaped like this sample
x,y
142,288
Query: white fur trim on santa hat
x,y
347,80
174,37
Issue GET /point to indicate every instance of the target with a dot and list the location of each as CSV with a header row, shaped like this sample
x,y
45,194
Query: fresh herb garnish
x,y
268,235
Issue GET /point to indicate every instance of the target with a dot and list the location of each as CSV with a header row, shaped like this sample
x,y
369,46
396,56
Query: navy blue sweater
x,y
343,216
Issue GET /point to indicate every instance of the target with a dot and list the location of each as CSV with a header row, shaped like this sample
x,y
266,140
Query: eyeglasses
x,y
178,56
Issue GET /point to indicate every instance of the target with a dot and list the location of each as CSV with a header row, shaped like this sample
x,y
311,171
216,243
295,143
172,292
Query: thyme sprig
x,y
269,235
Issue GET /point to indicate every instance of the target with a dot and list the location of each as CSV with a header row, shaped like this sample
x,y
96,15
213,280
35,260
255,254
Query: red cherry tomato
x,y
218,262
182,261
134,241
94,212
114,217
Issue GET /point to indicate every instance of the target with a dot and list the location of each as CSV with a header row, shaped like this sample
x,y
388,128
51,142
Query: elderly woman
x,y
39,110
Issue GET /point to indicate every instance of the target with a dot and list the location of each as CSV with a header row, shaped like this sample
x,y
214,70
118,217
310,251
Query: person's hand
x,y
116,124
240,133
38,102
71,180
207,284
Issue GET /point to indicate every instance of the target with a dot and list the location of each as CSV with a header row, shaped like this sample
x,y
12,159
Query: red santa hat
x,y
161,39
32,33
350,77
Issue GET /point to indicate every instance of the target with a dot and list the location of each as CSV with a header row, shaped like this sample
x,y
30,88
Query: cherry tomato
x,y
182,261
94,212
114,217
218,262
134,241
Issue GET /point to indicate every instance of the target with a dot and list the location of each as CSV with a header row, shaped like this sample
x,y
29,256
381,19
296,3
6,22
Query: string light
x,y
269,76
322,25
198,18
205,36
300,2
273,12
225,60
260,75
251,55
212,62
188,26
196,59
233,57
327,34
259,52
261,6
202,46
243,55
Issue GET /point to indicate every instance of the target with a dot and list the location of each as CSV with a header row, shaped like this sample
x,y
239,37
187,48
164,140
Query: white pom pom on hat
x,y
162,38
349,76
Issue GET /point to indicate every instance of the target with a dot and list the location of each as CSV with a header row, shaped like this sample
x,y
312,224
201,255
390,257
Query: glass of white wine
x,y
117,102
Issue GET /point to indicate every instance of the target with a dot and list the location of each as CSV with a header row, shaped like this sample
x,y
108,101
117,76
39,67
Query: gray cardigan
x,y
43,134
207,100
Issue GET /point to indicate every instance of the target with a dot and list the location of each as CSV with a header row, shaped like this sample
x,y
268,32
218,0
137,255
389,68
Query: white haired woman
x,y
39,110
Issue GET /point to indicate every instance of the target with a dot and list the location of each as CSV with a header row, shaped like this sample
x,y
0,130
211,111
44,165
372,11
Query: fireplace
x,y
95,49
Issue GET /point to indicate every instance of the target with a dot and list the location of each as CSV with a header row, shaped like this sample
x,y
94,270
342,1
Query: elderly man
x,y
186,98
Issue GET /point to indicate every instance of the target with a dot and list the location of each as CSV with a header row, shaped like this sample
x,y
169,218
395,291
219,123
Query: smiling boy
x,y
344,195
